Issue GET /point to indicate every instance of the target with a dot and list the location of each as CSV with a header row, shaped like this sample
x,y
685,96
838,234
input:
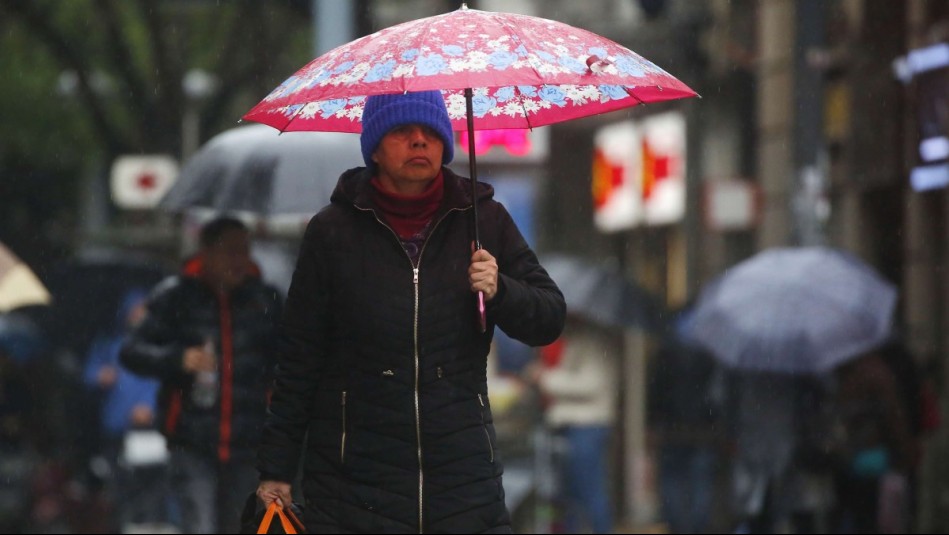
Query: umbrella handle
x,y
482,315
473,171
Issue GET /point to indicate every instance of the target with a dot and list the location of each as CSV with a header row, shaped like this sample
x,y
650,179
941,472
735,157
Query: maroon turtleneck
x,y
409,214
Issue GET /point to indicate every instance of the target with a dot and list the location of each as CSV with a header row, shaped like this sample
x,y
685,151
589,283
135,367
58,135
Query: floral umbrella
x,y
522,72
495,70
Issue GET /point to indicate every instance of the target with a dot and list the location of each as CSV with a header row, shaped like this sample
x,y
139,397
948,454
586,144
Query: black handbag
x,y
273,519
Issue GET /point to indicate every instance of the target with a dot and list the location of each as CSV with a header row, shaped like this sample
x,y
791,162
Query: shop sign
x,y
928,69
638,175
731,204
139,182
505,146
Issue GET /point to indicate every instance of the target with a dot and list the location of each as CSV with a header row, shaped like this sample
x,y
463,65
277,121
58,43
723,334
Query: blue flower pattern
x,y
501,59
554,95
482,105
612,92
381,71
343,67
628,65
504,94
453,51
430,65
598,51
572,64
410,54
330,107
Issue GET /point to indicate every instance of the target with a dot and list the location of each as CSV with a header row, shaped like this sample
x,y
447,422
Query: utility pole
x,y
333,22
810,206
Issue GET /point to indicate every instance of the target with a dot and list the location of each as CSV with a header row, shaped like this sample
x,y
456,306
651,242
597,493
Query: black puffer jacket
x,y
183,311
385,367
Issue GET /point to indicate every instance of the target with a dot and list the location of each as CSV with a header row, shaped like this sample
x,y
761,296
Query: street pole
x,y
332,24
810,207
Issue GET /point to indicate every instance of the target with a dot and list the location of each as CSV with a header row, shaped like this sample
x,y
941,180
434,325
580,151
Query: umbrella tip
x,y
464,5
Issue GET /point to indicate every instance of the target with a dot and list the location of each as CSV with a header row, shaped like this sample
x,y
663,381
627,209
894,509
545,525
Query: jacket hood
x,y
353,188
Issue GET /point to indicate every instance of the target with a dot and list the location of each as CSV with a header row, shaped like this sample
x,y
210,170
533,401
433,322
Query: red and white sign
x,y
139,182
639,173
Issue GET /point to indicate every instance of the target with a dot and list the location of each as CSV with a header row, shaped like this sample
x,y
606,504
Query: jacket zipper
x,y
415,283
342,444
484,425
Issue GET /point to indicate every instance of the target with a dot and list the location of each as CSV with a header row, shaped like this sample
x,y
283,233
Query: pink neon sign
x,y
515,142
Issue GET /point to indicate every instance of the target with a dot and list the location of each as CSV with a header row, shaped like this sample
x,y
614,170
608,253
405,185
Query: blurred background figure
x,y
136,488
16,440
685,403
577,377
776,487
208,338
917,395
877,448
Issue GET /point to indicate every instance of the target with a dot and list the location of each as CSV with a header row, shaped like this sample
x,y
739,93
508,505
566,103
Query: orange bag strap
x,y
268,518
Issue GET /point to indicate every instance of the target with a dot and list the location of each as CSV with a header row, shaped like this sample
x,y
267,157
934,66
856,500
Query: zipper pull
x,y
414,275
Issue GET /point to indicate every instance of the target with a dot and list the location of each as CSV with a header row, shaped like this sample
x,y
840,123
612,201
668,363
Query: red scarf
x,y
408,214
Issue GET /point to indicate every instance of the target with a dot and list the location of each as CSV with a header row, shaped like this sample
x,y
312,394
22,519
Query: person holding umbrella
x,y
382,365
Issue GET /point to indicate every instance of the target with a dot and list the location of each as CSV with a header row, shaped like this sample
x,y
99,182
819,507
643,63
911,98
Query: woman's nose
x,y
417,136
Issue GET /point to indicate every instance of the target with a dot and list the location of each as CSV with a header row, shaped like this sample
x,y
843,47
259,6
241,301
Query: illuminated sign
x,y
928,68
638,175
505,146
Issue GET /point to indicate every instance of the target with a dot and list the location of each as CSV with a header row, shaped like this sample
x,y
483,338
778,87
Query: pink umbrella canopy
x,y
523,72
495,71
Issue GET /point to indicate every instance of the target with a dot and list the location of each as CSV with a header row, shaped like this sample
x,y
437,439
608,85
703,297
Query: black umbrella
x,y
258,170
603,295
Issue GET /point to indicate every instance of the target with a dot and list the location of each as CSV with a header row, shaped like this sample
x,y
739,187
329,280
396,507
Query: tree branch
x,y
71,59
139,98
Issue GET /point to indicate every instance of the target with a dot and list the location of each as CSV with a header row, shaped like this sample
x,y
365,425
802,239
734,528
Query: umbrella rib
x,y
514,36
632,94
520,97
292,117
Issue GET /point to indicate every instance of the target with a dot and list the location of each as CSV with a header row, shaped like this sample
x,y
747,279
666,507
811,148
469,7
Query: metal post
x,y
332,24
809,201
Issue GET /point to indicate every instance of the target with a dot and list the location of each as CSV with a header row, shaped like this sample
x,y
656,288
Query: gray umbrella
x,y
602,294
794,310
257,169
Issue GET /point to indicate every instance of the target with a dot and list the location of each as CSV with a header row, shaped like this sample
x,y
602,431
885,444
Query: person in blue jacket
x,y
127,404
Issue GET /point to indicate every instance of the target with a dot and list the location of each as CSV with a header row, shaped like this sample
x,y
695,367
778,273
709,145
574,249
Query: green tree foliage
x,y
87,80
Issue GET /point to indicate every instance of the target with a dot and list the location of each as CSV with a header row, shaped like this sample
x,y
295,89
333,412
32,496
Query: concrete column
x,y
775,102
333,24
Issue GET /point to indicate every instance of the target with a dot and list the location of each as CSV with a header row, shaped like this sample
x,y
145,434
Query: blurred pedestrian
x,y
921,406
686,396
579,387
772,419
877,451
138,493
384,369
16,443
209,337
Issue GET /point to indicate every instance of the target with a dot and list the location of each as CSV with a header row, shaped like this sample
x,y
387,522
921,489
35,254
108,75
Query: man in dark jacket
x,y
208,337
383,362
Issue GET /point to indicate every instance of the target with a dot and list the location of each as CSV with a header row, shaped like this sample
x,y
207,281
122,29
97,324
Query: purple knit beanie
x,y
385,112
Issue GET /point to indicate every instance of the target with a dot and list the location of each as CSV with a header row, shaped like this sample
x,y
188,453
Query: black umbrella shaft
x,y
472,166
